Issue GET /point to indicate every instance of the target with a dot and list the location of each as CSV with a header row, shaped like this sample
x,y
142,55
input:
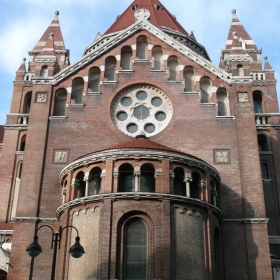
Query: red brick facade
x,y
201,183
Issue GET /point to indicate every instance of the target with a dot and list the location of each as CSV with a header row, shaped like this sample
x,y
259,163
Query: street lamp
x,y
76,251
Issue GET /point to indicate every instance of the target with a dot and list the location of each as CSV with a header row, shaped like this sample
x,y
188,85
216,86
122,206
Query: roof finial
x,y
24,59
265,58
233,13
56,13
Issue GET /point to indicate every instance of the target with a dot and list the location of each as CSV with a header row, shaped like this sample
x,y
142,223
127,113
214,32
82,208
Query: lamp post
x,y
34,249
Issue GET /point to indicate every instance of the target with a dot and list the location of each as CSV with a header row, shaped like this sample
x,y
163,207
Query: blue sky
x,y
24,21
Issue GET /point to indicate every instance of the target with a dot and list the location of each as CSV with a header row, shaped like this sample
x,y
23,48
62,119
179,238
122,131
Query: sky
x,y
22,23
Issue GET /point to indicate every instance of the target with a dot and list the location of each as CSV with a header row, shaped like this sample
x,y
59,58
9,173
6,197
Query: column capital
x,y
188,177
172,174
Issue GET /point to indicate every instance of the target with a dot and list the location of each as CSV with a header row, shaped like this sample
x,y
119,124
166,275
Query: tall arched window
x,y
126,178
173,64
77,91
60,102
223,102
206,89
194,185
81,184
189,78
44,71
147,179
240,70
94,79
110,68
27,103
179,184
262,142
265,171
257,98
94,181
135,250
142,47
157,55
126,55
22,143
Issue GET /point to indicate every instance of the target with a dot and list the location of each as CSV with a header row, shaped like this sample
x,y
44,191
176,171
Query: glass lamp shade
x,y
34,249
77,250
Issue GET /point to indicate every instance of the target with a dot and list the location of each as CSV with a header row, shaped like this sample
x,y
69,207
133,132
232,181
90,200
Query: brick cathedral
x,y
164,164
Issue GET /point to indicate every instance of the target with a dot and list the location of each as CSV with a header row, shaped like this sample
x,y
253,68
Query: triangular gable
x,y
101,46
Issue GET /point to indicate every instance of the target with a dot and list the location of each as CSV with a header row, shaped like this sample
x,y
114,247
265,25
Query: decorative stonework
x,y
222,156
41,97
60,156
142,14
243,97
141,109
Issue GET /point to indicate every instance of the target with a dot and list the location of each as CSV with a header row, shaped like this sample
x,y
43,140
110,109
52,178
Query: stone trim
x,y
34,219
274,239
92,93
19,153
266,153
137,196
191,93
125,71
6,232
267,126
247,221
58,117
140,154
208,104
226,117
75,105
16,126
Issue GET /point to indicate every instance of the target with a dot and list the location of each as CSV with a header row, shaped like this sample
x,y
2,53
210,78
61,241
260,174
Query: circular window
x,y
141,95
132,128
126,101
122,116
141,109
157,101
149,128
141,112
160,116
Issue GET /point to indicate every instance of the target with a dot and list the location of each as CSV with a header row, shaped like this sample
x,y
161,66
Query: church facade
x,y
164,164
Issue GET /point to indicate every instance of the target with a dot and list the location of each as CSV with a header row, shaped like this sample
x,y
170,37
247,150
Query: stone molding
x,y
34,219
15,126
138,196
140,154
6,232
247,221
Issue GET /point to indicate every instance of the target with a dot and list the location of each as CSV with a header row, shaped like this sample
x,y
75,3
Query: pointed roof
x,y
267,65
159,17
238,33
53,28
22,67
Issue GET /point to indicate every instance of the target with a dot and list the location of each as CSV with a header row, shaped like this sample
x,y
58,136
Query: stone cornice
x,y
15,126
138,196
247,221
120,154
103,45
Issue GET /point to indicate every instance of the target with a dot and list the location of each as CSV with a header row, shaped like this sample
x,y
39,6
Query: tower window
x,y
158,7
134,7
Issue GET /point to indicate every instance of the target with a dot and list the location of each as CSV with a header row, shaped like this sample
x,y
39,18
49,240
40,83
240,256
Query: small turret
x,y
20,73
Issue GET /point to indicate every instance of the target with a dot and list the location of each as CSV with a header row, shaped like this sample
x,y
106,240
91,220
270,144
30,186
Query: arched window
x,y
110,68
194,185
126,178
206,89
94,181
126,55
179,184
147,179
173,64
22,143
265,171
77,91
81,184
60,102
240,70
44,71
135,250
27,103
142,47
223,102
157,55
94,79
189,78
262,142
257,98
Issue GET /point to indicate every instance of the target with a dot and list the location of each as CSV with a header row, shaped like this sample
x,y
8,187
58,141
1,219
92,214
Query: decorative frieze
x,y
222,156
41,97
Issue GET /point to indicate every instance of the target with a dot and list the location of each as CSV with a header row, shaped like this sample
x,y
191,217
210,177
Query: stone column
x,y
137,174
172,176
187,180
115,180
102,177
202,188
214,195
86,179
157,175
75,184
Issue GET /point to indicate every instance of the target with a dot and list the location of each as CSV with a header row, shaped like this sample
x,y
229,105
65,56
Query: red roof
x,y
160,16
1,133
